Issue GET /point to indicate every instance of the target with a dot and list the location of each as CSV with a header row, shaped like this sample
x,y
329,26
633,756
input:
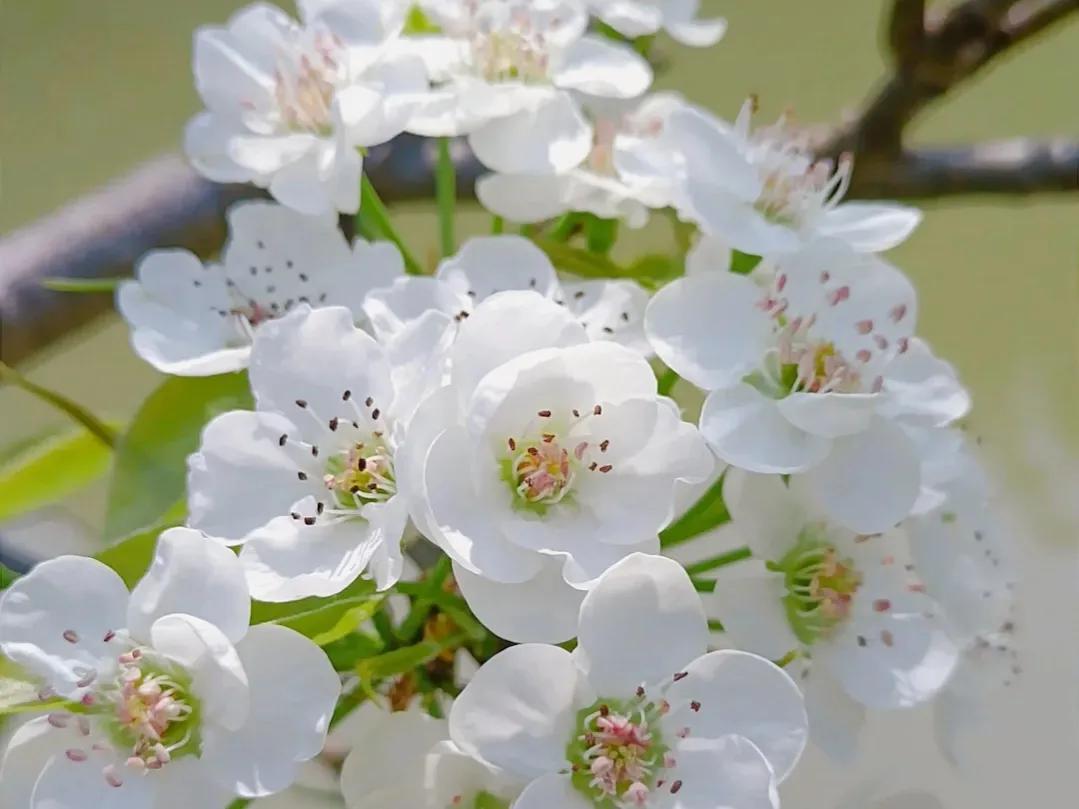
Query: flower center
x,y
306,79
542,474
820,586
363,473
617,753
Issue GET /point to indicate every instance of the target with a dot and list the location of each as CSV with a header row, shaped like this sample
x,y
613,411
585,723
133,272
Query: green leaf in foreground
x,y
707,513
50,470
401,660
743,263
131,556
324,620
151,457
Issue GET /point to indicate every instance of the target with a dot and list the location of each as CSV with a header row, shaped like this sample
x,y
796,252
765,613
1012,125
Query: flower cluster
x,y
486,459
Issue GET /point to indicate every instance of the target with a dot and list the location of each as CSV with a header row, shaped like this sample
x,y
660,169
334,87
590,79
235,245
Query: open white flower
x,y
866,633
765,193
171,693
639,18
629,170
639,715
546,459
405,760
194,319
608,309
289,106
308,481
813,371
507,72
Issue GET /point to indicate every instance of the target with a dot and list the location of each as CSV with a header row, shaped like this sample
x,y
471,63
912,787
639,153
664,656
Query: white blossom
x,y
640,715
194,319
308,481
171,693
765,193
813,369
508,73
289,105
638,18
545,460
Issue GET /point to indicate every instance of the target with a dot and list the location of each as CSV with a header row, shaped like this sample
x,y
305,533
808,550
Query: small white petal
x,y
870,227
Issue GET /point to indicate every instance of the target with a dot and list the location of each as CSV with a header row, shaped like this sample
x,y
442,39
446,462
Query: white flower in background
x,y
194,319
405,760
866,633
308,481
507,74
175,700
289,106
629,170
639,18
639,715
765,193
966,561
813,370
608,309
546,460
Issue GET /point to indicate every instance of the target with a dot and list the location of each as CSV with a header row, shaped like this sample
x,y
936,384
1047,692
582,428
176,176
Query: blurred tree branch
x,y
932,53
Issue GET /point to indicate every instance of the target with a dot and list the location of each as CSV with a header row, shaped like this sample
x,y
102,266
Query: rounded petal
x,y
206,144
709,328
747,430
293,692
314,356
870,481
67,784
745,695
717,156
287,559
542,609
242,476
870,227
549,136
709,255
750,606
193,575
550,791
641,623
520,710
923,389
725,773
768,512
721,213
599,67
524,198
488,264
451,773
218,677
183,784
390,756
835,720
391,308
29,749
611,310
54,620
829,415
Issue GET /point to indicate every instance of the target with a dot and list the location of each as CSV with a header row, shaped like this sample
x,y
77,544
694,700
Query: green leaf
x,y
51,470
401,660
131,556
600,234
743,263
324,618
151,457
707,513
345,654
7,577
82,284
419,23
18,691
718,561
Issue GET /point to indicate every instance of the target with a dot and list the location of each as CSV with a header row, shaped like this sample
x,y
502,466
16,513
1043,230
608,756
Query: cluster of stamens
x,y
143,709
820,586
306,80
542,470
813,366
510,48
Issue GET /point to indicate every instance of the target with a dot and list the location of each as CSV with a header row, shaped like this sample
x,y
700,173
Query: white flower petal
x,y
740,693
716,155
631,18
452,776
524,198
29,749
193,575
599,67
708,328
923,389
869,481
747,430
729,772
835,720
641,623
54,620
67,784
242,477
293,692
391,755
207,139
553,791
768,512
611,310
829,415
542,609
183,784
721,213
750,606
870,227
710,254
548,137
520,710
390,308
488,264
218,678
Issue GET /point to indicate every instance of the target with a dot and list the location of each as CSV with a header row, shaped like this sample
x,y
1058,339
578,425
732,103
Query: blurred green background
x,y
87,90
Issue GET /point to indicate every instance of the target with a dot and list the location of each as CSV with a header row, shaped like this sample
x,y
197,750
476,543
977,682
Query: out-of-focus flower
x,y
173,694
290,105
194,319
638,18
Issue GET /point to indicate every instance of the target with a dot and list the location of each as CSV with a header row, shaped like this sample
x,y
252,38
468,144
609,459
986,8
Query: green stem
x,y
57,284
722,560
446,194
666,382
707,513
498,225
704,585
567,225
375,218
92,423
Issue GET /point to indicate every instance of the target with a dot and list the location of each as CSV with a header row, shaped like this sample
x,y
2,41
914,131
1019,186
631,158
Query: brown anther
x,y
346,396
677,785
597,410
376,413
301,475
544,414
334,422
301,403
281,441
512,444
604,444
308,520
681,675
695,706
368,401
606,468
